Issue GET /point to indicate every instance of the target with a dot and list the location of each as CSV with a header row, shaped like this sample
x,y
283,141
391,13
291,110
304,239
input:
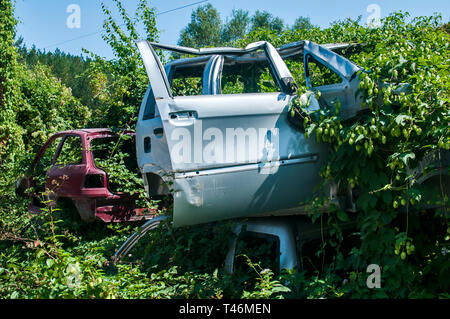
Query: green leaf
x,y
360,137
280,288
49,262
406,156
400,119
386,218
342,216
311,128
387,196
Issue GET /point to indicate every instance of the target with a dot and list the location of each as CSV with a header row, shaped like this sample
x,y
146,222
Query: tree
x,y
303,23
66,67
265,20
118,85
236,27
204,28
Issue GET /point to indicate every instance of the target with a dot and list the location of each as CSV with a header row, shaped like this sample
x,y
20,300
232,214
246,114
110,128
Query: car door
x,y
334,76
233,155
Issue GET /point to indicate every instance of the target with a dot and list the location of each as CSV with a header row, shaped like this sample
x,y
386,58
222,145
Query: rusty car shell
x,y
205,191
93,201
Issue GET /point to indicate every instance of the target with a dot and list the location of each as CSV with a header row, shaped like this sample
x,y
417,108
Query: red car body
x,y
86,184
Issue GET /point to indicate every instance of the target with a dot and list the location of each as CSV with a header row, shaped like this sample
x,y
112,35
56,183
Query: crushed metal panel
x,y
249,53
209,51
347,91
338,63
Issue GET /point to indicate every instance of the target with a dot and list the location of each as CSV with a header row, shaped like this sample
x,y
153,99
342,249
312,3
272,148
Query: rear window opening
x,y
116,155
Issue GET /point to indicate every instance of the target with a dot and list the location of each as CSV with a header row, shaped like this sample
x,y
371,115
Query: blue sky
x,y
43,22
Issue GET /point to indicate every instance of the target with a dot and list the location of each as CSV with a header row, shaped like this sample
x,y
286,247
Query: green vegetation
x,y
56,255
206,28
67,68
374,154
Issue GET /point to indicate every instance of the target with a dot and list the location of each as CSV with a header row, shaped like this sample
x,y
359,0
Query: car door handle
x,y
158,131
183,118
147,144
184,115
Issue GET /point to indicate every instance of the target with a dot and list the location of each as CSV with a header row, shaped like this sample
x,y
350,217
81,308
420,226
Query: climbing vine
x,y
384,154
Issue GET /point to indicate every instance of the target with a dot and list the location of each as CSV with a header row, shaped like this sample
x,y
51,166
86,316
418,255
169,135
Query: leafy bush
x,y
33,106
56,255
47,107
11,144
118,85
376,154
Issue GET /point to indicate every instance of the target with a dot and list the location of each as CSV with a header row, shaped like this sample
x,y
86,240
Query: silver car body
x,y
282,168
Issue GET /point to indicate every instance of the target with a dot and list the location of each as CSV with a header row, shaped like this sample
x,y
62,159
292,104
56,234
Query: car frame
x,y
202,190
83,183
